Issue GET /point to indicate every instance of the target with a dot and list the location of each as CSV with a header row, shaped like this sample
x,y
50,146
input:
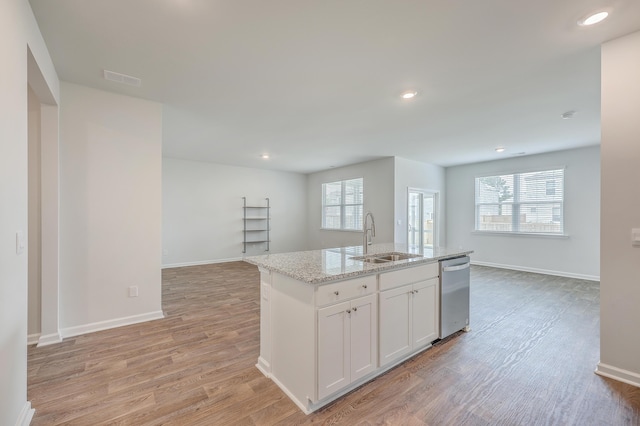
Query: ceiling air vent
x,y
122,78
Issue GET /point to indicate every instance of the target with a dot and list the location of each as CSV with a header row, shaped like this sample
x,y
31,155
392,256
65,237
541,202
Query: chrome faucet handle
x,y
373,225
369,231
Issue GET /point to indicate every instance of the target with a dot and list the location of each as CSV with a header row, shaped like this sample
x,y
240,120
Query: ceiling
x,y
317,84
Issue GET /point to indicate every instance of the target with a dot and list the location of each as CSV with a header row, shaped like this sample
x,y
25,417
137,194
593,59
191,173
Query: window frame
x,y
516,205
342,205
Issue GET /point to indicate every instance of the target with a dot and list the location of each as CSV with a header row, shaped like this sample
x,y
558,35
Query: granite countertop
x,y
321,266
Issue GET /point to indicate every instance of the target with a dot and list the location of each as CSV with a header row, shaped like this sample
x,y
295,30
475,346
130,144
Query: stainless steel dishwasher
x,y
454,295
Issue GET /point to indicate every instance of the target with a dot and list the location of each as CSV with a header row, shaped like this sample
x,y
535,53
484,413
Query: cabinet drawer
x,y
409,275
345,290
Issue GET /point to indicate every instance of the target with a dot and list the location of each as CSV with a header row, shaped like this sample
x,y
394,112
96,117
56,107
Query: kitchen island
x,y
332,319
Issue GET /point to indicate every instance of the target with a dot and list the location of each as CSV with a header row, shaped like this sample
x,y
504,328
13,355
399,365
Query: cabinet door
x,y
334,343
395,323
425,309
364,336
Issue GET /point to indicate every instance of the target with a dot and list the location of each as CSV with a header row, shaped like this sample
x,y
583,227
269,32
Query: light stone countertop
x,y
322,266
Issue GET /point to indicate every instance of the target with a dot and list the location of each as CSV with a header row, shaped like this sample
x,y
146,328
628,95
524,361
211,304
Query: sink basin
x,y
397,256
386,257
374,260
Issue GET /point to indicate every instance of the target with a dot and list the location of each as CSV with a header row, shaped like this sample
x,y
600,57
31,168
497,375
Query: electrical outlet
x,y
133,291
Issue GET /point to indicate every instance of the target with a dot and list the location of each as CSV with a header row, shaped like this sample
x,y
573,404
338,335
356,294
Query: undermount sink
x,y
374,260
386,257
397,256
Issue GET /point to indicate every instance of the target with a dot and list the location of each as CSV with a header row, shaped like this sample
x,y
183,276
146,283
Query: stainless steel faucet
x,y
369,232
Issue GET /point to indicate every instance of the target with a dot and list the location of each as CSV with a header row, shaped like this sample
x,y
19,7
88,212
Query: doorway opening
x,y
43,209
422,229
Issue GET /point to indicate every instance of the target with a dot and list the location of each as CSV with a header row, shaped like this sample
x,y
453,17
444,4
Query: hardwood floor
x,y
528,360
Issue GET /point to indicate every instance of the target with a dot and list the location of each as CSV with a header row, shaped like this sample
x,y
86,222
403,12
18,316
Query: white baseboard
x,y
105,325
201,262
615,373
24,419
537,270
264,367
32,339
49,339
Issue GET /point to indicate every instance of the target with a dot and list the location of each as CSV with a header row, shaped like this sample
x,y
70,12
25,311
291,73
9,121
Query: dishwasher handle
x,y
456,267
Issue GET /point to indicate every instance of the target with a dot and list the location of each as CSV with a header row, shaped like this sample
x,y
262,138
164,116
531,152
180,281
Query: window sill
x,y
520,234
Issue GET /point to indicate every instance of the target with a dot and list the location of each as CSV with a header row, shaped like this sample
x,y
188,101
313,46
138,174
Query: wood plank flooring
x,y
528,360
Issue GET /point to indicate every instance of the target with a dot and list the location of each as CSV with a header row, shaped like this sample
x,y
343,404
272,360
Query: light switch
x,y
635,236
20,243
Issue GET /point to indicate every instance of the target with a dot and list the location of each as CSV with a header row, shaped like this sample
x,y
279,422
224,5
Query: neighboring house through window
x,y
528,202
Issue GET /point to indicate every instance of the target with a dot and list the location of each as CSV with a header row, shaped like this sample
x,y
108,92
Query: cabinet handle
x,y
355,308
348,311
416,291
364,286
336,293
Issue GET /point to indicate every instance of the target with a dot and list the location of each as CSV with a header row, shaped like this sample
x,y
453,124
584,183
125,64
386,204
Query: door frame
x,y
436,213
49,332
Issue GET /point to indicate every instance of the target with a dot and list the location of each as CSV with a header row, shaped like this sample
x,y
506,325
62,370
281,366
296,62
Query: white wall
x,y
110,214
414,174
378,181
577,255
202,211
19,31
620,260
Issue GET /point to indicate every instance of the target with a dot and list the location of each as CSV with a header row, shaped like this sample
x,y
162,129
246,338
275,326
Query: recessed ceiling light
x,y
593,18
265,156
568,115
409,95
500,149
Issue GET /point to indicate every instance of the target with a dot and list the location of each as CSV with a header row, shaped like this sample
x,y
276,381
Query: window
x,y
530,203
342,205
551,187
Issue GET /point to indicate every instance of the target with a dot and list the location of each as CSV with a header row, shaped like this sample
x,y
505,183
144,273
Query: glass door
x,y
421,220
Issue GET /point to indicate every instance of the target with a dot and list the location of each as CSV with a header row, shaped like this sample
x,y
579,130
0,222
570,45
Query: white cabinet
x,y
408,313
364,336
425,314
395,323
347,343
318,342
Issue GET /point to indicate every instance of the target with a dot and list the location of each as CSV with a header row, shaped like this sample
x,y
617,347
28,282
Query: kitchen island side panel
x,y
264,361
293,333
